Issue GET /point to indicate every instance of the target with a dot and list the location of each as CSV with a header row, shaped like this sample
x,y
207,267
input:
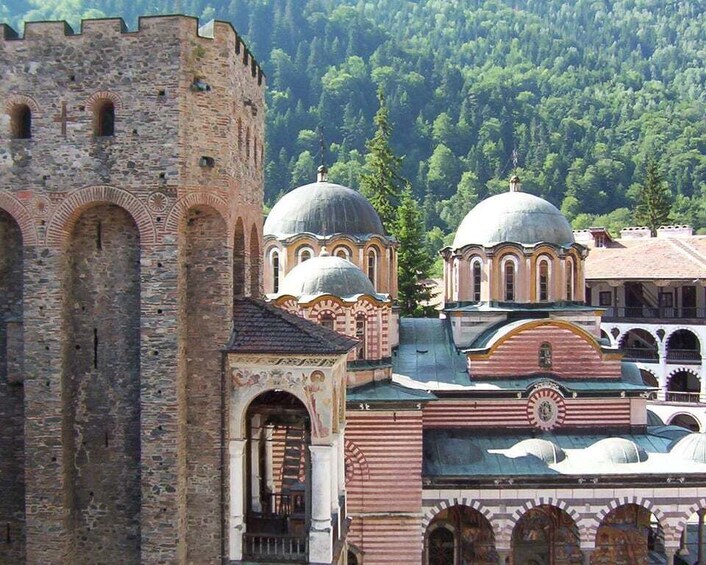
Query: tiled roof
x,y
649,258
259,327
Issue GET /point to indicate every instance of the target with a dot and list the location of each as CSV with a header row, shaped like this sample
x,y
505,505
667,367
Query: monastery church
x,y
181,382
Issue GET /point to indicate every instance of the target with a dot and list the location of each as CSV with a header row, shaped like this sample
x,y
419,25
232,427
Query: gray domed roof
x,y
616,450
514,217
326,275
542,449
323,208
692,446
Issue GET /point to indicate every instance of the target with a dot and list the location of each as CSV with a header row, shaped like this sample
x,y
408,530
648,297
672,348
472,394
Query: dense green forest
x,y
585,92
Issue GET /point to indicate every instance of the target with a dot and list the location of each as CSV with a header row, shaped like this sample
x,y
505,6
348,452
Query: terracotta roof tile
x,y
259,327
653,258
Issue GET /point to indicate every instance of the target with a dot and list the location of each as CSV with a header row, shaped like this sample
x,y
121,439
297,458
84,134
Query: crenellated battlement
x,y
148,26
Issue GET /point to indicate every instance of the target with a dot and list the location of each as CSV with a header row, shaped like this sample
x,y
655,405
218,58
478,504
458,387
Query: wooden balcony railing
x,y
656,312
640,354
273,548
684,355
688,397
279,504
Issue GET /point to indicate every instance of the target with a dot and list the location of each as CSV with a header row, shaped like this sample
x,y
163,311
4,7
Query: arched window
x,y
104,119
274,260
545,356
569,279
456,279
509,280
476,276
343,253
327,320
543,280
372,266
360,334
304,254
21,122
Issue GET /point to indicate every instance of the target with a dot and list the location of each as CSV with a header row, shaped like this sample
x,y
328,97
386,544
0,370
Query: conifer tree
x,y
414,263
653,206
380,183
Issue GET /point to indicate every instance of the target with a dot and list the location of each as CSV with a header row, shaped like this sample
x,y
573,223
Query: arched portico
x,y
285,448
546,534
457,535
278,476
629,533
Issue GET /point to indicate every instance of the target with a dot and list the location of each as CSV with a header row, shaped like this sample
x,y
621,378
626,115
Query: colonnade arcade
x,y
670,357
624,532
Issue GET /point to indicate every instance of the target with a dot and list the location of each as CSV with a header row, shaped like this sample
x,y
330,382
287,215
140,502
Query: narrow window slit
x,y
95,348
99,236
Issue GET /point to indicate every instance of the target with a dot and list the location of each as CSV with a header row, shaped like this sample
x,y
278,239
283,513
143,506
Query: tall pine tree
x,y
414,263
653,200
381,181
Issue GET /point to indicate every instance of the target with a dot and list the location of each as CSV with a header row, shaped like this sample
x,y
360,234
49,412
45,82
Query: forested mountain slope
x,y
585,92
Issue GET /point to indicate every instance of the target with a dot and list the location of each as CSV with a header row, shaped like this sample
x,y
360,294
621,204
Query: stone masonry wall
x,y
151,172
102,388
207,325
11,399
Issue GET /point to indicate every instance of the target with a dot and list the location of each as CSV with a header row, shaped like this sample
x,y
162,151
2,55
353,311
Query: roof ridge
x,y
688,250
312,330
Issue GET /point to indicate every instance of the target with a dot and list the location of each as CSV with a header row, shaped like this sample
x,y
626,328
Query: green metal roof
x,y
468,453
387,391
426,353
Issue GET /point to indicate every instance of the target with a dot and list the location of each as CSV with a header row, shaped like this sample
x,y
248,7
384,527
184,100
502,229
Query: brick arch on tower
x,y
192,200
78,201
23,218
622,501
21,99
430,514
103,95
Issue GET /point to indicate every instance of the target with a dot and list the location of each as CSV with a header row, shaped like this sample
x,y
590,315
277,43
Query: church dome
x,y
326,275
516,217
692,446
616,450
542,449
323,208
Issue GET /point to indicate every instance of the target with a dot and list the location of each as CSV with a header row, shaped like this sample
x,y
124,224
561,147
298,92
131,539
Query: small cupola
x,y
322,174
515,185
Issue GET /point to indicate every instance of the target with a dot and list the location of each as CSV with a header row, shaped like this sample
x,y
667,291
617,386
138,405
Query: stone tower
x,y
130,216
